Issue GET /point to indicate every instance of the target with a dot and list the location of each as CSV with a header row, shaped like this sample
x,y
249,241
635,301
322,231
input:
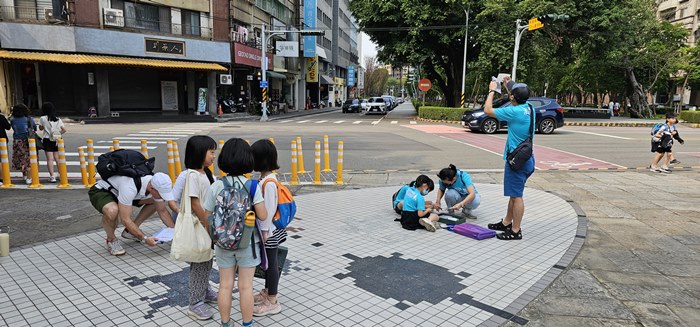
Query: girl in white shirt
x,y
53,130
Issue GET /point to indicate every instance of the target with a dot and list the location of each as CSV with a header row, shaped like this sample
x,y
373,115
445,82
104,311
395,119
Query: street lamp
x,y
263,60
464,66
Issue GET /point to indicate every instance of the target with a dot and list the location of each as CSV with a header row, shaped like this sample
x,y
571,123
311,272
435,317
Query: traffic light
x,y
554,17
534,24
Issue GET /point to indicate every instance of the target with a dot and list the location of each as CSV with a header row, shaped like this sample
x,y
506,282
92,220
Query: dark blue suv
x,y
549,115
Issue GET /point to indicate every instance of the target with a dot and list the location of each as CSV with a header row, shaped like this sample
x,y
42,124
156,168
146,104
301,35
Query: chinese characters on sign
x,y
289,49
309,23
165,46
312,70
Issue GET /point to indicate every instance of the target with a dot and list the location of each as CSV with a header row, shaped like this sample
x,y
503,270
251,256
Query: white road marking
x,y
394,121
321,121
64,217
134,142
286,121
159,135
597,134
339,122
413,122
376,122
303,121
143,138
357,122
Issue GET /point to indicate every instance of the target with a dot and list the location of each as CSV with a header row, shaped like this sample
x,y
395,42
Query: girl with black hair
x,y
53,130
459,191
21,124
200,153
236,159
265,154
415,215
397,198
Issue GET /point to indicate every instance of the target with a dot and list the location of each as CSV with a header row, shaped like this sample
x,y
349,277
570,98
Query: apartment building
x,y
686,13
114,55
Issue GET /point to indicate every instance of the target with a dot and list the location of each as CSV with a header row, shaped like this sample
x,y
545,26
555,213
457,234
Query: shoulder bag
x,y
191,241
523,152
31,133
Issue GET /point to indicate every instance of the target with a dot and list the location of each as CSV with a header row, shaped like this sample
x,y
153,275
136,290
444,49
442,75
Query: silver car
x,y
376,105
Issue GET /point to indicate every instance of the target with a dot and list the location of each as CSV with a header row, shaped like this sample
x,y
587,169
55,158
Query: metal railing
x,y
21,13
158,26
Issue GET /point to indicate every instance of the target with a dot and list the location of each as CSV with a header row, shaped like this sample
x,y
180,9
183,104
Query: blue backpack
x,y
656,128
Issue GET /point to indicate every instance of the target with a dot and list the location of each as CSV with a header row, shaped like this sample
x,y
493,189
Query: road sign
x,y
534,24
424,85
263,84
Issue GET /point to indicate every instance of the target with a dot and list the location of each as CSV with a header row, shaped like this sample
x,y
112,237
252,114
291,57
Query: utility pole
x,y
464,65
519,31
263,67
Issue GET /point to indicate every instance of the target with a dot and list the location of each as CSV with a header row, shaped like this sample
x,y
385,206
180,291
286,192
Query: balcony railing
x,y
20,13
157,27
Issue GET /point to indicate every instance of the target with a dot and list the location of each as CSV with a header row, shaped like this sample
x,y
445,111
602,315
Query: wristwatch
x,y
143,240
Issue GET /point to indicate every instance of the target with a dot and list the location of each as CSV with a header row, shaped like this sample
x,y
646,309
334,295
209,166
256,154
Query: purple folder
x,y
474,231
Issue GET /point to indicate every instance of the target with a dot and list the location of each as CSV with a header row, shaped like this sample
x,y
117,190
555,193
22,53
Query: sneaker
x,y
665,170
260,297
129,236
468,213
115,248
226,324
212,296
52,179
675,162
425,222
436,224
654,169
199,311
267,308
28,180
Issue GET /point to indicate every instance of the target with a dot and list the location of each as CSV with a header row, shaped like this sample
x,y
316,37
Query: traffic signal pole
x,y
464,65
519,31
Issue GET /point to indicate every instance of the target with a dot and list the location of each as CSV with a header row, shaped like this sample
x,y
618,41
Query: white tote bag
x,y
191,242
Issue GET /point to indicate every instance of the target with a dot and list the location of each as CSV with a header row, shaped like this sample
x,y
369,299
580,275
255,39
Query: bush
x,y
441,113
691,116
416,104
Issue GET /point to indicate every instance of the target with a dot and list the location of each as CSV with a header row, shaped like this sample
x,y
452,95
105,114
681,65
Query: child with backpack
x,y
415,215
662,143
53,130
265,154
200,153
232,200
397,198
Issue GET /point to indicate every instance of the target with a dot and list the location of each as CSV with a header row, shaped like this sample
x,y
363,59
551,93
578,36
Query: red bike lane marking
x,y
546,157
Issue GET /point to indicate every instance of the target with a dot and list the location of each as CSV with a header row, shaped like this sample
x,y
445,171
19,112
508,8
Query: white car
x,y
376,105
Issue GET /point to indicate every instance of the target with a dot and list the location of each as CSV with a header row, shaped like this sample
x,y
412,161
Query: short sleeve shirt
x,y
238,182
519,128
125,190
270,195
199,186
461,185
401,195
50,126
413,201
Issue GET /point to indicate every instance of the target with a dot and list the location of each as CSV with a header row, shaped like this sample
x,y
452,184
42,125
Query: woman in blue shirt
x,y
21,124
459,191
414,214
397,198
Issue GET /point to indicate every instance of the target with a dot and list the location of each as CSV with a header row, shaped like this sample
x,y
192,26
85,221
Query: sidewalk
x,y
639,264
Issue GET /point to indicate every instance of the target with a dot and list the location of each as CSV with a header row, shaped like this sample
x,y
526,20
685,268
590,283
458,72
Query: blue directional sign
x,y
309,23
351,75
263,84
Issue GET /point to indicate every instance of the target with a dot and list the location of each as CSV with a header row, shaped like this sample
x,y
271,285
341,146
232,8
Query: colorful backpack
x,y
286,207
227,220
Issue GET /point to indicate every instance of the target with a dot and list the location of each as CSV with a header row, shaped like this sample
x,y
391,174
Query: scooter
x,y
239,106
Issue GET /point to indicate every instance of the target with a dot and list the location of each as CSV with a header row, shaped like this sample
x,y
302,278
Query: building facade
x,y
113,55
687,14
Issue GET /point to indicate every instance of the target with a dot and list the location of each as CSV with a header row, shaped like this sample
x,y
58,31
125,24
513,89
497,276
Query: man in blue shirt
x,y
520,127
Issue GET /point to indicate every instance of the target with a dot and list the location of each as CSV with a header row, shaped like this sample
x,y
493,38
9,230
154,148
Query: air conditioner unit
x,y
114,17
225,79
48,14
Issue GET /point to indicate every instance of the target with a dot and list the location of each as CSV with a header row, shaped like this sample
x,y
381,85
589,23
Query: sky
x,y
369,49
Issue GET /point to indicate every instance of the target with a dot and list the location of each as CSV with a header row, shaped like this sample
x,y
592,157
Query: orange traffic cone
x,y
221,112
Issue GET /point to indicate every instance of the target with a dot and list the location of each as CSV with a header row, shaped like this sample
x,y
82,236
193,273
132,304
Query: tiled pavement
x,y
349,264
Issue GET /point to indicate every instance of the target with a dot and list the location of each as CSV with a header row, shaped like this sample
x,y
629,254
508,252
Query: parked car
x,y
549,116
352,105
378,105
364,103
391,103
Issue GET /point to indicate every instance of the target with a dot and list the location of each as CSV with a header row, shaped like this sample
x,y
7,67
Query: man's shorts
x,y
514,180
242,258
101,197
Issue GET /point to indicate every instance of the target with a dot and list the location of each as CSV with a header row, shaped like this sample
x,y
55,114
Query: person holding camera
x,y
519,161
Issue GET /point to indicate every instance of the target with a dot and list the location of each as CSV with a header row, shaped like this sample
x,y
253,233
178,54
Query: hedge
x,y
691,116
441,113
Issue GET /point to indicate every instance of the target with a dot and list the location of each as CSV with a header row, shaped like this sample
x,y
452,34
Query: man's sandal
x,y
499,226
508,235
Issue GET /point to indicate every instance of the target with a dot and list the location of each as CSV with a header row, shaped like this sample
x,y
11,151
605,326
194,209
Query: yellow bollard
x,y
171,162
317,163
326,155
221,146
144,148
62,169
176,157
300,156
115,144
295,177
91,162
83,167
6,180
33,164
339,180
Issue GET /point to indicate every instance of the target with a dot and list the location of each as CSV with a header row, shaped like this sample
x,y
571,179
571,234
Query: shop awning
x,y
272,74
82,59
325,79
321,52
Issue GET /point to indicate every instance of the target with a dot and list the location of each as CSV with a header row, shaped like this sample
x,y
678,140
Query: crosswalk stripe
x,y
159,135
146,138
339,122
303,121
413,122
394,122
321,121
133,142
375,122
356,122
286,121
168,132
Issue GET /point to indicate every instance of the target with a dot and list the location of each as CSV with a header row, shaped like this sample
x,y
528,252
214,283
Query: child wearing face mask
x,y
397,198
415,215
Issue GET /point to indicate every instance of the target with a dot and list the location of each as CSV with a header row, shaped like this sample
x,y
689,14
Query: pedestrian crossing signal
x,y
534,24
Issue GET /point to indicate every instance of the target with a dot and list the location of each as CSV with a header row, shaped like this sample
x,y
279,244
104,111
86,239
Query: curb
x,y
599,124
438,121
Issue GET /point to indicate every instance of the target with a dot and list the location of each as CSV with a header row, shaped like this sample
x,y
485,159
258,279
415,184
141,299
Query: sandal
x,y
499,226
508,235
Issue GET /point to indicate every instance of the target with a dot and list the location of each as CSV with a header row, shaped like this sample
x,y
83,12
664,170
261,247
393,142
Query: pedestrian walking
x,y
521,128
53,129
265,155
22,126
611,108
662,143
236,159
200,153
415,213
616,109
459,191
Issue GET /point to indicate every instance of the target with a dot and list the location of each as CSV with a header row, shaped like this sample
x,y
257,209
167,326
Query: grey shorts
x,y
242,258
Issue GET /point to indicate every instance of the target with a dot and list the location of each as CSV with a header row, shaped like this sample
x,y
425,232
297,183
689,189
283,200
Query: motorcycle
x,y
239,106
